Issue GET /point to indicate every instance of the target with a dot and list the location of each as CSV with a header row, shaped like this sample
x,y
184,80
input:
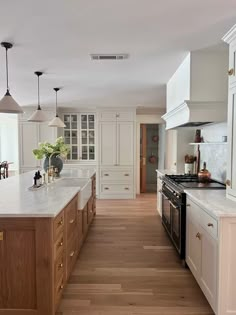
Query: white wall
x,y
178,87
9,149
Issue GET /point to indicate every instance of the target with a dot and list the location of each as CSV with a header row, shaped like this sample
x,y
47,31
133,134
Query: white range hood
x,y
192,114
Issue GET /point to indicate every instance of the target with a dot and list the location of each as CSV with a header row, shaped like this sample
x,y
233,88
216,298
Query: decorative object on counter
x,y
56,121
7,103
204,175
53,154
198,136
38,115
189,163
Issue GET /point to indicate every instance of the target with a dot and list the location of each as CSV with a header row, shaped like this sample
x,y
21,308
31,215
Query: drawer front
x,y
71,220
85,220
59,268
58,226
116,188
80,225
125,175
59,246
58,291
71,255
209,223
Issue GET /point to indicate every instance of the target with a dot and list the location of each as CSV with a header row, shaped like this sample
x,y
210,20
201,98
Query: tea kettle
x,y
204,175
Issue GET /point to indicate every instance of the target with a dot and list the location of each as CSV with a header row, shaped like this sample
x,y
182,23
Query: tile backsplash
x,y
215,155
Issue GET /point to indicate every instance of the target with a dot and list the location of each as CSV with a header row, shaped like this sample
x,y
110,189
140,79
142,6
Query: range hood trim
x,y
195,112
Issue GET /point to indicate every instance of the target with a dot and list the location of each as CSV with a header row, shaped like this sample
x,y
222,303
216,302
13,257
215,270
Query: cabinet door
x,y
171,149
232,63
107,143
28,142
208,266
125,143
193,245
231,169
124,116
107,116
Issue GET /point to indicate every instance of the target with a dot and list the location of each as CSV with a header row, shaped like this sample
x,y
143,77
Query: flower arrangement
x,y
46,149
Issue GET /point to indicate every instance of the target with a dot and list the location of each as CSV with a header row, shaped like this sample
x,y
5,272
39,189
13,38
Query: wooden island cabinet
x,y
37,255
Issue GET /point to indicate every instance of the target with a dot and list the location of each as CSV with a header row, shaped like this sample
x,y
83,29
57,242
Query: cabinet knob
x,y
61,222
231,71
106,188
61,243
198,235
106,174
61,286
126,188
72,254
210,224
228,182
126,174
1,236
72,221
60,265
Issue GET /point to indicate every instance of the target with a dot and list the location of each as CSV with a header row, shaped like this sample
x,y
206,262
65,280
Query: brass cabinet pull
x,y
126,175
210,224
72,221
198,235
72,254
106,188
231,71
60,265
1,236
61,286
106,174
228,182
126,188
60,222
61,243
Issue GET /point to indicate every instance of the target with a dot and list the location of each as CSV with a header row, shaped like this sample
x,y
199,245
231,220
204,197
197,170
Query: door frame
x,y
148,119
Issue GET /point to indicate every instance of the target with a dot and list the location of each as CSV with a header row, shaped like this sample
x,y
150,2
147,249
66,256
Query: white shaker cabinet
x,y
230,38
116,155
201,250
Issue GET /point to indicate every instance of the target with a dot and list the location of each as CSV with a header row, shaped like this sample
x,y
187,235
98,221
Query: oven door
x,y
176,227
166,212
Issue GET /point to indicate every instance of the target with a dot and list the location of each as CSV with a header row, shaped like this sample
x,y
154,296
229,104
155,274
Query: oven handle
x,y
164,195
174,206
167,187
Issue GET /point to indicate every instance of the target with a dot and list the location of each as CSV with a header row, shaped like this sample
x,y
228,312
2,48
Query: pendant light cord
x,y
56,104
39,108
7,69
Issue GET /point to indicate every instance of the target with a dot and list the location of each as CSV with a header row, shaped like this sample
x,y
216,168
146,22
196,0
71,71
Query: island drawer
x,y
209,223
59,268
58,291
71,255
71,219
90,210
59,246
58,225
80,225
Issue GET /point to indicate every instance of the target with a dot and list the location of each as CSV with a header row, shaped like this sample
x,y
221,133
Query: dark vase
x,y
56,162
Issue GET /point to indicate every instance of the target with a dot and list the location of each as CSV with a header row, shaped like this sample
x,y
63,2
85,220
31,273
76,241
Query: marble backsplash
x,y
215,155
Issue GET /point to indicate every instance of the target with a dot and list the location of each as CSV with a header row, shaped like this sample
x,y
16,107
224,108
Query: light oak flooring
x,y
128,266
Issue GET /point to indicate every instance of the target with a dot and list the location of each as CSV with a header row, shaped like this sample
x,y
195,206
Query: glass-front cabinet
x,y
79,134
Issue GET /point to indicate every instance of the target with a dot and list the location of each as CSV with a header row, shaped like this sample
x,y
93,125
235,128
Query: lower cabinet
x,y
159,195
37,256
202,250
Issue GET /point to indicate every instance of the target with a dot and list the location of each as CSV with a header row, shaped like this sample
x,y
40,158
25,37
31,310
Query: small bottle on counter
x,y
35,179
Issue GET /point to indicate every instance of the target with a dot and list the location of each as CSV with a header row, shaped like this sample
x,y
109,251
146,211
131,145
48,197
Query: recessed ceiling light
x,y
109,56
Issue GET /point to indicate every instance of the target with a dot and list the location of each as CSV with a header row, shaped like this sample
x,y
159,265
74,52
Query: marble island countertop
x,y
18,201
213,201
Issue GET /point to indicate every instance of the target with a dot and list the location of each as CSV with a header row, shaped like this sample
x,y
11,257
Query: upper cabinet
x,y
80,135
230,38
116,116
197,91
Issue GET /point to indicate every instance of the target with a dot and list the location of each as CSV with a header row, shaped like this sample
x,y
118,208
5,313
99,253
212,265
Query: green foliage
x,y
45,149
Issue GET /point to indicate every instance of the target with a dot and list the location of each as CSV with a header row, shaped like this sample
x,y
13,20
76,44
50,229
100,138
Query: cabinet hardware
x,y
228,182
61,222
61,286
198,235
72,254
126,188
72,221
188,205
106,188
61,243
159,190
210,224
231,71
126,175
117,115
1,236
60,265
106,174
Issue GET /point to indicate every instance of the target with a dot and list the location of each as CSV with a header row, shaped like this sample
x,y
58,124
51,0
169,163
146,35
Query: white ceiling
x,y
57,37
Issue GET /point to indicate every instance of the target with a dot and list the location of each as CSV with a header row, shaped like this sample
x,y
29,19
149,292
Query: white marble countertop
x,y
17,201
213,201
165,171
78,173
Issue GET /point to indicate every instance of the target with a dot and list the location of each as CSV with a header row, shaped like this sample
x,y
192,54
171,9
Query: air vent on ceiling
x,y
109,56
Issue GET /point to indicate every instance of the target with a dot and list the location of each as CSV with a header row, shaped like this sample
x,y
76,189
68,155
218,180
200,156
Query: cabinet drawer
x,y
90,210
71,220
71,255
59,268
58,291
85,220
116,188
125,175
80,225
209,223
59,246
58,225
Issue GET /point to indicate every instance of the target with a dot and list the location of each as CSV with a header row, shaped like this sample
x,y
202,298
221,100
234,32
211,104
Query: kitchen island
x,y
41,233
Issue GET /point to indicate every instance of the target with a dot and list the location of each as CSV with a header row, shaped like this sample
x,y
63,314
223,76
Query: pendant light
x,y
7,103
38,115
56,121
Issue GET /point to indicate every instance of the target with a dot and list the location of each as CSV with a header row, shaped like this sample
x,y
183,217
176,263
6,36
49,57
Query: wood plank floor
x,y
128,266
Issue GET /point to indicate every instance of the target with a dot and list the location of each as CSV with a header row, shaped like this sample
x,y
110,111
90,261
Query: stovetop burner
x,y
192,182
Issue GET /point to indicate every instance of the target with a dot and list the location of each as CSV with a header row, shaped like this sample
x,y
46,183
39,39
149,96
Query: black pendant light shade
x,y
7,103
